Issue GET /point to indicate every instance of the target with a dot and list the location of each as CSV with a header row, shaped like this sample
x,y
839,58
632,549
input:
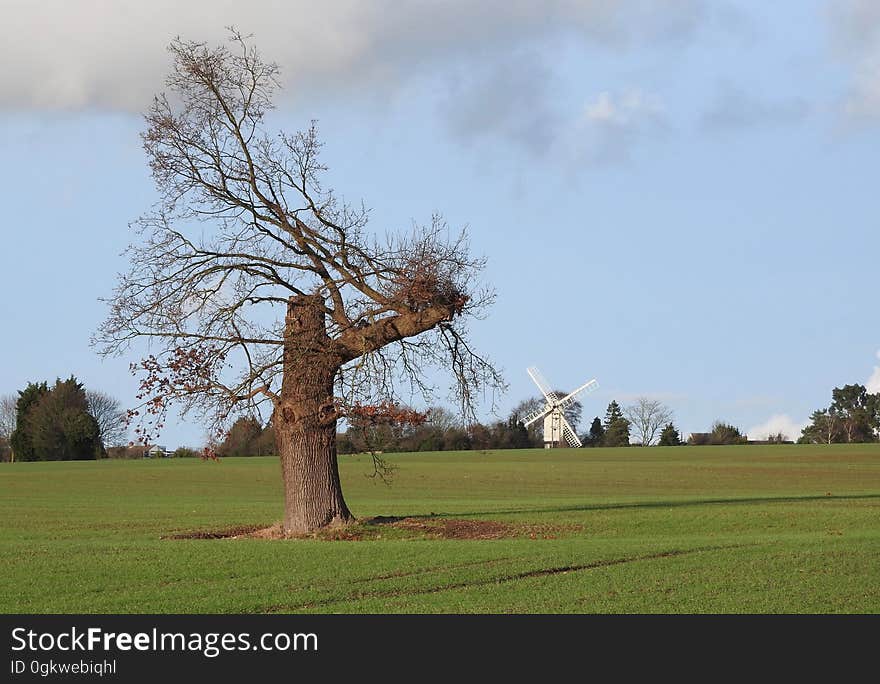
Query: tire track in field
x,y
441,568
323,583
527,574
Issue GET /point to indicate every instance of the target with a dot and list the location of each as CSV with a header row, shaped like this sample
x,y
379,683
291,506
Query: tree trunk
x,y
305,422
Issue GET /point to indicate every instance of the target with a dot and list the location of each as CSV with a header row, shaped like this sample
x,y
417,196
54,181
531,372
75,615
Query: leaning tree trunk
x,y
305,422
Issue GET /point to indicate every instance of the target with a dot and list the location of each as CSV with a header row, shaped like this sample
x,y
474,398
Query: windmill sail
x,y
586,387
542,384
569,434
540,413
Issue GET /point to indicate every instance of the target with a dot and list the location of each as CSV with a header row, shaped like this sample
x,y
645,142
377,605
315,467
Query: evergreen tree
x,y
517,435
60,427
670,436
616,427
265,443
596,434
241,440
824,428
21,440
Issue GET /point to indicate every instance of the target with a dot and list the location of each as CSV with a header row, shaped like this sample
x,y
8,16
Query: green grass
x,y
709,529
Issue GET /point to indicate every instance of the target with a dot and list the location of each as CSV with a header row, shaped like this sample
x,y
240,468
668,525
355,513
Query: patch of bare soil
x,y
227,533
452,528
396,527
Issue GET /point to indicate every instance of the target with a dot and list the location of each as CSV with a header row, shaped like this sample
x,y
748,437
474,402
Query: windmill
x,y
556,427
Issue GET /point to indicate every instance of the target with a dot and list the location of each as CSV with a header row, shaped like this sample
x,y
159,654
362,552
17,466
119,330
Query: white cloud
x,y
873,383
602,109
776,424
629,108
59,54
613,123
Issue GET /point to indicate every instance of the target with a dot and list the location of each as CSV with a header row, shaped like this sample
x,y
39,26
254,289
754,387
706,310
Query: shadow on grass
x,y
380,520
494,580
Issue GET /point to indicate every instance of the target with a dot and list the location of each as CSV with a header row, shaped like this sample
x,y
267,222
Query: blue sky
x,y
677,198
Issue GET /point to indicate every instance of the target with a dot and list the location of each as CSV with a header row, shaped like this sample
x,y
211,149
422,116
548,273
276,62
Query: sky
x,y
676,197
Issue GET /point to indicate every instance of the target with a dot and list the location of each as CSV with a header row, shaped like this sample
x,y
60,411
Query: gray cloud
x,y
855,24
67,55
855,32
511,98
735,108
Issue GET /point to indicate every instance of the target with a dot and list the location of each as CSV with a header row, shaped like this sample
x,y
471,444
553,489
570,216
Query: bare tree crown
x,y
647,417
244,228
110,416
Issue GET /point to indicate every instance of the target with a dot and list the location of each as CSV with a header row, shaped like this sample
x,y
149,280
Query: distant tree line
x,y
645,422
853,416
68,422
133,450
64,422
442,431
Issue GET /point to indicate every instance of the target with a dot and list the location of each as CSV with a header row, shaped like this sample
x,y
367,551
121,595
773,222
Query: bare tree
x,y
261,290
111,417
8,420
443,419
647,418
8,415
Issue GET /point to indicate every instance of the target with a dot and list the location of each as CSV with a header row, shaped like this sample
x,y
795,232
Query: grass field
x,y
709,529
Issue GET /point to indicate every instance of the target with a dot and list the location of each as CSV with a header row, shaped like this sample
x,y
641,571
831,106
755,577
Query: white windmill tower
x,y
556,428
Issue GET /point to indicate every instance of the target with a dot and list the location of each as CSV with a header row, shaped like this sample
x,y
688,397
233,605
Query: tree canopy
x,y
853,416
248,437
